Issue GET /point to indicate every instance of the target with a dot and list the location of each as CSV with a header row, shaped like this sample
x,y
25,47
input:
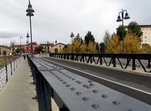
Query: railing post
x,y
149,65
72,56
11,67
91,60
133,64
67,56
14,64
6,73
114,61
101,62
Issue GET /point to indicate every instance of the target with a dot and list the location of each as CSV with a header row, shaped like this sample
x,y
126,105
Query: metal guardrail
x,y
72,92
7,70
123,60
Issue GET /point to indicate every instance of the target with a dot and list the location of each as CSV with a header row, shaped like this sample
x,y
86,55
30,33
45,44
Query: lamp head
x,y
118,19
126,16
30,10
72,35
27,35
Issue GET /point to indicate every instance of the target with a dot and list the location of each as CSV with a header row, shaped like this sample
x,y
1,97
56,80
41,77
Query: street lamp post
x,y
30,12
119,20
72,35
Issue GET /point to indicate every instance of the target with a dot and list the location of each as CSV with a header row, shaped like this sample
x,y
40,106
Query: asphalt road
x,y
133,84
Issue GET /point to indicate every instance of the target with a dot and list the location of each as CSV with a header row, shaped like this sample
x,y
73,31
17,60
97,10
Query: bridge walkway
x,y
19,92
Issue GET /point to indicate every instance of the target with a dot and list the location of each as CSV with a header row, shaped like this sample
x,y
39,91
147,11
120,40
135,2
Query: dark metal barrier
x,y
72,92
124,60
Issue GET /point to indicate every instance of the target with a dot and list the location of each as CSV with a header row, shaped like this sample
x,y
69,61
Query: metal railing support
x,y
108,59
6,72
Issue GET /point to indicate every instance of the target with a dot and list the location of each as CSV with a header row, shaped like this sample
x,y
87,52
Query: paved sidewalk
x,y
19,94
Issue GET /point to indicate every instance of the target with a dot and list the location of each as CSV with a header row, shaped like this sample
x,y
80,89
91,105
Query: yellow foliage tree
x,y
91,48
132,43
145,48
76,46
113,45
83,48
67,49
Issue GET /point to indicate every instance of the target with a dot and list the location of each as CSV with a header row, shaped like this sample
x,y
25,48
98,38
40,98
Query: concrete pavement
x,y
19,92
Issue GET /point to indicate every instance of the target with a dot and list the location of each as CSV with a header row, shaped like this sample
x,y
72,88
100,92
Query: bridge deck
x,y
19,92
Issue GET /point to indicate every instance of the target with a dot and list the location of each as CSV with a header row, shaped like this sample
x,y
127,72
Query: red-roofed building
x,y
27,47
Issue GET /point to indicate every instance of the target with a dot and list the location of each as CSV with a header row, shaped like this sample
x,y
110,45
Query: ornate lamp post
x,y
72,35
30,12
119,20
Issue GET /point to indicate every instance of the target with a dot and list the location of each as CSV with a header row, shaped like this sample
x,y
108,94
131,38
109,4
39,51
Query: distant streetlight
x,y
72,35
20,43
119,20
27,36
30,12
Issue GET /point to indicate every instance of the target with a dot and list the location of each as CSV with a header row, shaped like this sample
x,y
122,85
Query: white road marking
x,y
105,79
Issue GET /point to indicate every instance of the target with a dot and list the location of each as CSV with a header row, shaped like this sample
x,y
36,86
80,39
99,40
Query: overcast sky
x,y
56,19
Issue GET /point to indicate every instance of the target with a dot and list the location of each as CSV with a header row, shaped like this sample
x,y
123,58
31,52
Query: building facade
x,y
27,47
5,50
57,48
47,47
146,37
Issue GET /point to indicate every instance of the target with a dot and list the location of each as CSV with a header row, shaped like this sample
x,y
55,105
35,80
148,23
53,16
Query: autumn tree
x,y
113,45
89,37
79,38
132,43
146,48
67,48
83,48
91,48
76,46
80,46
107,36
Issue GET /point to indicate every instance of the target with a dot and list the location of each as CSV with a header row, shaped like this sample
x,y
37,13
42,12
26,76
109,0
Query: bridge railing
x,y
7,70
72,92
123,60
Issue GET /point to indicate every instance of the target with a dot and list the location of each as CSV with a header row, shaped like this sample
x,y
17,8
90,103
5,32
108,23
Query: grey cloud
x,y
8,35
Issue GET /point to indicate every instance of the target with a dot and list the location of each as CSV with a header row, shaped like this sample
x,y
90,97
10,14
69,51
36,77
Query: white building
x,y
146,37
